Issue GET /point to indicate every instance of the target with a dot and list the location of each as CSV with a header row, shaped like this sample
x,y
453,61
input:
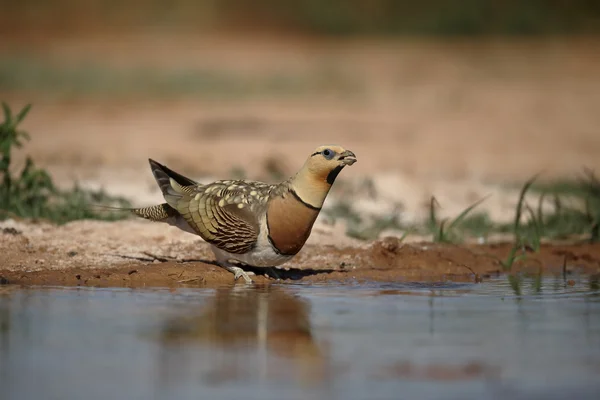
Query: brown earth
x,y
85,254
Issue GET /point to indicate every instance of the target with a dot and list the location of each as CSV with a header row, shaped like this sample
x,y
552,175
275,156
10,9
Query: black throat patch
x,y
333,174
292,191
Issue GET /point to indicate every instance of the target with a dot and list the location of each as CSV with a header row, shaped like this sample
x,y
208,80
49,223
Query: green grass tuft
x,y
576,207
32,192
444,232
566,220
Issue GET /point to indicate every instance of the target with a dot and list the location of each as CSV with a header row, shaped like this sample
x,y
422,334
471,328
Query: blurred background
x,y
457,99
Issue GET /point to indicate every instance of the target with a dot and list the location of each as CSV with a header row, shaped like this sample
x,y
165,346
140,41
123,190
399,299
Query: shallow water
x,y
370,341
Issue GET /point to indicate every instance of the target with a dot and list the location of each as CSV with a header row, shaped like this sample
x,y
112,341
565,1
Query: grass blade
x,y
519,210
7,116
536,240
465,212
22,114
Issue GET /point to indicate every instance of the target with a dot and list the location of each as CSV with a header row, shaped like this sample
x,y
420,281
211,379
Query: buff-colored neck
x,y
311,187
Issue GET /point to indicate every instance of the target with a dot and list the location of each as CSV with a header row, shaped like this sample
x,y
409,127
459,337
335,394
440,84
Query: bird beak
x,y
347,158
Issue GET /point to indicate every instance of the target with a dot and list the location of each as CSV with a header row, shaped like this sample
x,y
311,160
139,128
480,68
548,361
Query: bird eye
x,y
328,154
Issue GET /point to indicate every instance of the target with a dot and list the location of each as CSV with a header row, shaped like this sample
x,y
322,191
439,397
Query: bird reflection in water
x,y
243,334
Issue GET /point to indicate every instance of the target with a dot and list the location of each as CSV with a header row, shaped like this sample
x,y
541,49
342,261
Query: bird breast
x,y
289,222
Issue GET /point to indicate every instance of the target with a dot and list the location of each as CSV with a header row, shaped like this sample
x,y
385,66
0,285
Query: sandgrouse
x,y
253,223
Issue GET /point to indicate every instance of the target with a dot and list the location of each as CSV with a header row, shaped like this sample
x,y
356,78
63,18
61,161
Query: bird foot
x,y
239,273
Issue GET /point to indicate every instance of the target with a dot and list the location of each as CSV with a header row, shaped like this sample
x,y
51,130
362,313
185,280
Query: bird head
x,y
313,181
326,162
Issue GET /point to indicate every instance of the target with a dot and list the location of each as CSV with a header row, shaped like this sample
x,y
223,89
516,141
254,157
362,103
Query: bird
x,y
248,222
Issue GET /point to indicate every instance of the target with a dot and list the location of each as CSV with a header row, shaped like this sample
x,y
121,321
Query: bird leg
x,y
236,271
224,262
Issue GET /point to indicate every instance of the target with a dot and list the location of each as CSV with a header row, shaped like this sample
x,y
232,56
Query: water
x,y
372,341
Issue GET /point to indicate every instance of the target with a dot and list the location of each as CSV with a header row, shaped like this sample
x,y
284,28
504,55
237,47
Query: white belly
x,y
259,257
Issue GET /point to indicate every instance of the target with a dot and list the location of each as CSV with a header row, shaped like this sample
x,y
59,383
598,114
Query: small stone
x,y
72,253
390,244
78,276
3,281
11,231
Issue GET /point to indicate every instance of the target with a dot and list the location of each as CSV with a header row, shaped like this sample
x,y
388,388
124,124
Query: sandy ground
x,y
139,254
456,119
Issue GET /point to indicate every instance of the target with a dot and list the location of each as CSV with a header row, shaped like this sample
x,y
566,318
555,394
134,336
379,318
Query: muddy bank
x,y
137,254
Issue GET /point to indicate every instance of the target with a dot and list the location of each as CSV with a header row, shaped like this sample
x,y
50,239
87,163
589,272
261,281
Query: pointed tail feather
x,y
171,184
159,213
164,213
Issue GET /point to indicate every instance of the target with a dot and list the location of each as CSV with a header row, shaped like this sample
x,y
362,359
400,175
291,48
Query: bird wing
x,y
223,213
